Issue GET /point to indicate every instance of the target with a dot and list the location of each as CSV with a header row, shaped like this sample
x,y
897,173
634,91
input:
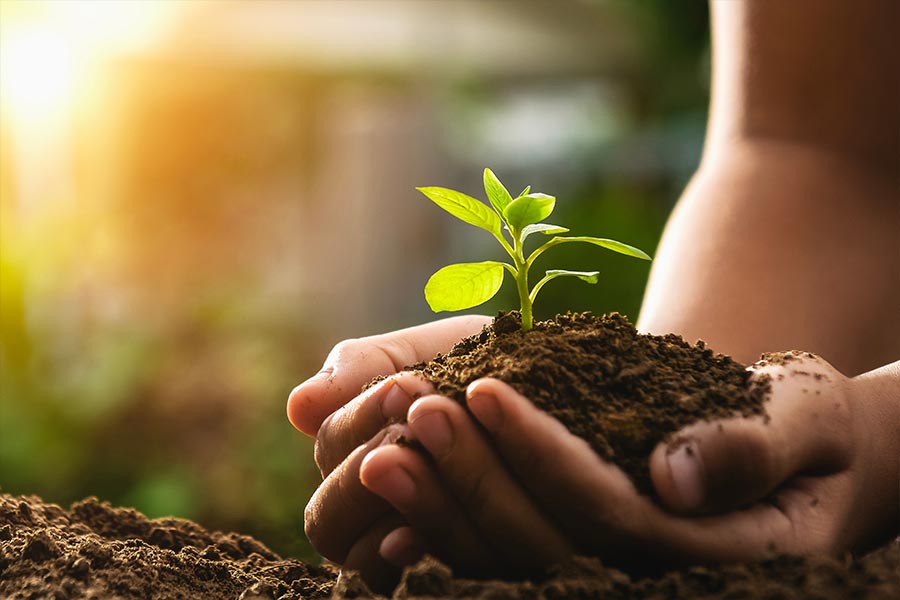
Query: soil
x,y
95,551
621,391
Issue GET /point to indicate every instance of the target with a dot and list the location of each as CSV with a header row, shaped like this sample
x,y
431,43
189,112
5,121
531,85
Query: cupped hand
x,y
825,460
818,474
345,522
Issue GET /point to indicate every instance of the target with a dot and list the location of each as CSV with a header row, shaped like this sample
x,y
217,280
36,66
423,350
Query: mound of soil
x,y
94,551
622,391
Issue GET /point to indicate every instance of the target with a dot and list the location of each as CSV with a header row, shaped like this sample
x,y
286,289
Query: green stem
x,y
522,283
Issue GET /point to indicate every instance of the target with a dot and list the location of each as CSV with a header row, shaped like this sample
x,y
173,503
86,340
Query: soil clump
x,y
623,392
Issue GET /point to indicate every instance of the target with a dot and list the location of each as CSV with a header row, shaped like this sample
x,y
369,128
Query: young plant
x,y
464,285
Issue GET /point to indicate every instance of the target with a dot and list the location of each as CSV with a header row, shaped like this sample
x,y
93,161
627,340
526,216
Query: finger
x,y
402,547
721,465
364,556
403,477
587,497
341,509
483,486
364,416
353,363
597,505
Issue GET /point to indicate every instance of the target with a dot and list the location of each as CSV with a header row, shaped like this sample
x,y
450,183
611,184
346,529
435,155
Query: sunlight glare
x,y
37,73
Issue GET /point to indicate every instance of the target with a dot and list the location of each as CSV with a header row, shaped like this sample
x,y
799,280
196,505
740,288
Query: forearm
x,y
789,234
774,247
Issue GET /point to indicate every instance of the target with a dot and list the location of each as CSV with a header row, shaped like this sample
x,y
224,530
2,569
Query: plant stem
x,y
522,267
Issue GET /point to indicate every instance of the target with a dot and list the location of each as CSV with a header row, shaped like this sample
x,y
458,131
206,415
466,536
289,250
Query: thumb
x,y
353,363
722,465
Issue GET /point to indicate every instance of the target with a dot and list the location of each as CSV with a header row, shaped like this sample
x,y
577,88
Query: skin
x,y
785,238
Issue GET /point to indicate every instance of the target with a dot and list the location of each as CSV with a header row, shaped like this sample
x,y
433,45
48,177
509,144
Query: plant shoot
x,y
510,220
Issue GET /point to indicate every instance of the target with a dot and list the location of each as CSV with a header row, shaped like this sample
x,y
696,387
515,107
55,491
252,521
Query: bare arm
x,y
789,234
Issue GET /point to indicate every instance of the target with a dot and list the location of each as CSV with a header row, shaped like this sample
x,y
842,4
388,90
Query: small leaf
x,y
463,207
529,209
463,285
611,245
589,276
545,228
496,191
525,191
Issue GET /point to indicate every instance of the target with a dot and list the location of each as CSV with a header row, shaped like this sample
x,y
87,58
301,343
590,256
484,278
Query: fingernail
x,y
433,430
687,474
486,410
396,402
395,486
402,547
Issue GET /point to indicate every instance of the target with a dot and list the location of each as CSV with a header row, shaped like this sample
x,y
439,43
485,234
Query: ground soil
x,y
94,551
621,391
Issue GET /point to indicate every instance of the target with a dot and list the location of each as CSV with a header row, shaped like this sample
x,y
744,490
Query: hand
x,y
827,461
344,521
355,362
819,475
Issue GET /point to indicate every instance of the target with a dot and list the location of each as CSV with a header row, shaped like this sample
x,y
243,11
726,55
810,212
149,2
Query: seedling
x,y
464,285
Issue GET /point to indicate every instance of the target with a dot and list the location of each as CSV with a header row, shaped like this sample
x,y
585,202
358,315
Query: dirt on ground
x,y
95,551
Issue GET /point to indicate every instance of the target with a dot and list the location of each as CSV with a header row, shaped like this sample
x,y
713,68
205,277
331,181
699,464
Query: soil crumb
x,y
622,391
95,551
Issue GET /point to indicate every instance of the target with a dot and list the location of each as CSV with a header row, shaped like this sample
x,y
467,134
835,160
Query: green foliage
x,y
464,285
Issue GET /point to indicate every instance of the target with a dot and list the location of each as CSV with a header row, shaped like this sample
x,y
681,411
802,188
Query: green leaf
x,y
525,191
463,285
463,207
588,276
529,209
610,245
545,228
496,191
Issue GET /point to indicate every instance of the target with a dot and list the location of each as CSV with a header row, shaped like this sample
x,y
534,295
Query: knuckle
x,y
343,350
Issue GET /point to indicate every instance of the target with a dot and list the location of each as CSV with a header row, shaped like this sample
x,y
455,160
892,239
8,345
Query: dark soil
x,y
621,391
96,551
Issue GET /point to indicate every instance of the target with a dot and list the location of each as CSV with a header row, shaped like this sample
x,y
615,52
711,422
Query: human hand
x,y
819,475
827,461
355,362
344,521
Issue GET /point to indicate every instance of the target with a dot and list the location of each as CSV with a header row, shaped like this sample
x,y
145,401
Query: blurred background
x,y
198,198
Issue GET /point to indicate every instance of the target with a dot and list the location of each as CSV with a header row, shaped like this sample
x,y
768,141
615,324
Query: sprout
x,y
464,285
